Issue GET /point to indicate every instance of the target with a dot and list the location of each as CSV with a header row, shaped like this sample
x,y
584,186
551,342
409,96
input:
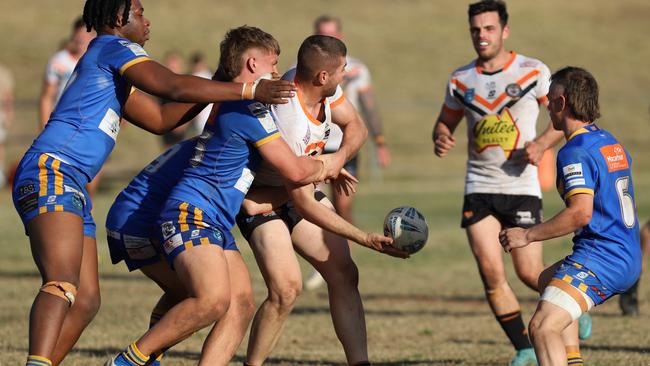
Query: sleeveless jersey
x,y
501,109
83,128
594,162
304,134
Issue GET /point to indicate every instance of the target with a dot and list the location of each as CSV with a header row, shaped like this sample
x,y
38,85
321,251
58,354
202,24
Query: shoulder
x,y
464,70
290,75
525,62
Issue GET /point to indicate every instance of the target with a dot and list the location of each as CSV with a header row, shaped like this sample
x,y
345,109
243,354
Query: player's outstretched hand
x,y
383,244
442,144
274,91
533,152
513,238
345,183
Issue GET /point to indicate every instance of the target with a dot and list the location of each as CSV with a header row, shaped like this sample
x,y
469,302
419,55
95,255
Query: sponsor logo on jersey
x,y
26,189
138,247
524,218
575,182
51,200
135,48
110,124
195,234
261,112
495,130
244,182
615,157
172,243
572,171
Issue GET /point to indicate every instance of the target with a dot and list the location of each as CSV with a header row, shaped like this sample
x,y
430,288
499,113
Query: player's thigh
x,y
547,275
275,256
483,238
240,280
165,278
89,277
529,256
203,270
322,249
56,239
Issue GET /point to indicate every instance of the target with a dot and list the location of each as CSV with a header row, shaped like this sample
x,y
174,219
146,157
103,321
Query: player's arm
x,y
534,150
443,130
259,200
354,131
147,113
320,215
295,169
46,102
576,215
368,104
153,78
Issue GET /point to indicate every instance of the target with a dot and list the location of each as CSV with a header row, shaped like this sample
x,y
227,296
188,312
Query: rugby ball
x,y
408,228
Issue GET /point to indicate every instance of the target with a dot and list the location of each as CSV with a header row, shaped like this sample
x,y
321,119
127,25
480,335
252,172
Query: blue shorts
x,y
129,230
181,226
583,280
45,184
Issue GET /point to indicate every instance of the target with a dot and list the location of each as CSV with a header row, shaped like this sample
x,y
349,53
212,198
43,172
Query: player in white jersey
x,y
499,95
305,124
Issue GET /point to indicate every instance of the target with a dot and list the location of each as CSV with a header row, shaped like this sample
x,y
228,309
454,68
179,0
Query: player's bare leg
x,y
273,249
330,255
56,240
85,306
207,301
226,336
483,239
546,329
529,264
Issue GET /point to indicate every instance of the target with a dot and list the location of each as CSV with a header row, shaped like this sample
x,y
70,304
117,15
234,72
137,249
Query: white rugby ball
x,y
408,228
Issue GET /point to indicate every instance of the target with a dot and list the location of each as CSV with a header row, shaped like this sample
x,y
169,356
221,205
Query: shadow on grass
x,y
102,277
591,347
478,299
310,310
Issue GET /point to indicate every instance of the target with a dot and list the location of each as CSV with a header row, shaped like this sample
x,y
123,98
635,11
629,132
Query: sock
x,y
33,360
514,327
156,315
133,355
573,356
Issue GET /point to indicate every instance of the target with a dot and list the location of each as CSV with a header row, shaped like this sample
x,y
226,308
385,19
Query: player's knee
x,y
211,307
88,304
493,279
65,290
530,277
538,329
244,303
285,295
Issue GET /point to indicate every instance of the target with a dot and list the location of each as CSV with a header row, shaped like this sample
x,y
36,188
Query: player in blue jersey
x,y
209,280
594,179
49,192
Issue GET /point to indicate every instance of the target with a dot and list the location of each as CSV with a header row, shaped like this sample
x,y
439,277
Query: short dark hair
x,y
580,92
485,6
326,18
103,13
78,23
317,53
235,43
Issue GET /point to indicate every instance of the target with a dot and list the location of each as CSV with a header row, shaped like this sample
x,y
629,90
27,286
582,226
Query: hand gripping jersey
x,y
83,128
58,71
501,109
594,162
224,161
356,80
304,134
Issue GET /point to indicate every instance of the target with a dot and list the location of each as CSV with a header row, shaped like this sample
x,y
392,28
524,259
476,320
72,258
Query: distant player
x,y
114,78
629,300
187,200
6,116
595,181
278,232
357,87
499,95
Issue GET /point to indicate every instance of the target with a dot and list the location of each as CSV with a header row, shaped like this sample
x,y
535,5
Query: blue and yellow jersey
x,y
593,162
224,162
84,126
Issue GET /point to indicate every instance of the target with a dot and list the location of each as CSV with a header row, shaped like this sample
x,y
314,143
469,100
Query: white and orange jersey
x,y
501,109
304,134
59,69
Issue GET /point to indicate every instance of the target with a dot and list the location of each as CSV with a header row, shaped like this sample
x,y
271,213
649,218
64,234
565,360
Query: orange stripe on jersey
x,y
42,175
204,241
460,85
527,76
304,108
182,217
58,177
573,192
337,102
58,208
513,55
198,217
133,62
542,100
452,112
571,291
42,209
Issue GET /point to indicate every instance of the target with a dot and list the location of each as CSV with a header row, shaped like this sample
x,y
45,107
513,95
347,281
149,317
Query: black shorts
x,y
510,210
352,166
286,213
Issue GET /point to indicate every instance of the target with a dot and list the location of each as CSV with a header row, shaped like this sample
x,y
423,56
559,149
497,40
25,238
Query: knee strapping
x,y
64,290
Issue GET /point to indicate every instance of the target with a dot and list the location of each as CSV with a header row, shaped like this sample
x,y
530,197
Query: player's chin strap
x,y
64,290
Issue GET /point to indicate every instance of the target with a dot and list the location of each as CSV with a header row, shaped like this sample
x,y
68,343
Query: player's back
x,y
83,127
594,162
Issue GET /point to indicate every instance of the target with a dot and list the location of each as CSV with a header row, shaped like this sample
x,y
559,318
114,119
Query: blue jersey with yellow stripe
x,y
594,162
83,128
224,162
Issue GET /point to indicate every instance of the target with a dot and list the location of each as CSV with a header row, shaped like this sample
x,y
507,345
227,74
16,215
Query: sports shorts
x,y
286,213
44,184
510,210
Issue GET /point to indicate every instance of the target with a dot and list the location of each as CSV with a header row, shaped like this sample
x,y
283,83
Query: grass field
x,y
428,310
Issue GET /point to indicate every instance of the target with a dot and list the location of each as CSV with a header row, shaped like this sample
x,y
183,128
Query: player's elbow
x,y
582,217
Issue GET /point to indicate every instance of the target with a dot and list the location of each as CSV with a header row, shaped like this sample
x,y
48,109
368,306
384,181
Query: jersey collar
x,y
480,70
